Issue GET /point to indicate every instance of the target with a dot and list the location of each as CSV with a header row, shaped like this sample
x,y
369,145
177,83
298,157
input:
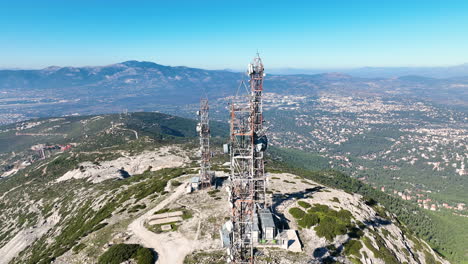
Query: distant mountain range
x,y
386,72
138,83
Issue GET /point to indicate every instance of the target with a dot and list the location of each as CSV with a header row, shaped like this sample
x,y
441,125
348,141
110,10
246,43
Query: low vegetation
x,y
296,212
304,204
352,248
119,253
186,214
86,220
328,222
381,251
136,208
445,232
215,257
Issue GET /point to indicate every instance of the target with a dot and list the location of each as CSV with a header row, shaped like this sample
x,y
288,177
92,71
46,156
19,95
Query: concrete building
x,y
263,228
288,239
256,230
195,183
225,233
267,224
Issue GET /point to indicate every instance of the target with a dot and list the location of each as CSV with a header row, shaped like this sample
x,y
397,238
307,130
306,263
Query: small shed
x,y
255,230
194,183
225,234
289,240
267,223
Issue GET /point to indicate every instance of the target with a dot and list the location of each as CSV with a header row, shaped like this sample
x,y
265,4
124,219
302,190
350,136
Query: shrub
x,y
213,192
99,226
137,208
369,201
382,252
175,183
355,232
296,212
329,228
187,214
119,253
304,205
308,220
144,256
319,208
344,215
162,211
352,247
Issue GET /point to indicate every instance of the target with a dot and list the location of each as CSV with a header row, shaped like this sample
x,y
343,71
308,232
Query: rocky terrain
x,y
79,203
376,236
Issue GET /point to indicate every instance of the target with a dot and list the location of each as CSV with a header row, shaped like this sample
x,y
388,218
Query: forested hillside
x,y
445,232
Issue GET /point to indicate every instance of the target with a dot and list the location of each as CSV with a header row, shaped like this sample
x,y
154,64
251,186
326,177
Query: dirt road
x,y
171,247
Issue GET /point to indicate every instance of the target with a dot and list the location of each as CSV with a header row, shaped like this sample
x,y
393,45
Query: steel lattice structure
x,y
247,143
205,153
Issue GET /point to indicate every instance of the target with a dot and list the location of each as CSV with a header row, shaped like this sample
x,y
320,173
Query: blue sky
x,y
226,34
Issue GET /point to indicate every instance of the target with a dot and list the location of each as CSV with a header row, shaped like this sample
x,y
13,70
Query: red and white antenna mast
x,y
247,189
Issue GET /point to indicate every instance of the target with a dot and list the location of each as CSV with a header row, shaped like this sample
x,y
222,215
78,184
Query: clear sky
x,y
226,34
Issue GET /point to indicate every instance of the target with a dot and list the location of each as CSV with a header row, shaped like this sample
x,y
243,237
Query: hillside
x,y
101,181
333,226
61,210
148,86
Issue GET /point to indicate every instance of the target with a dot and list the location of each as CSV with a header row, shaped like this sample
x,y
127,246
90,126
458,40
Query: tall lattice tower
x,y
247,143
256,73
203,128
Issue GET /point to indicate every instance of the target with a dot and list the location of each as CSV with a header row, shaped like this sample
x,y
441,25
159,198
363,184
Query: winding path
x,y
171,247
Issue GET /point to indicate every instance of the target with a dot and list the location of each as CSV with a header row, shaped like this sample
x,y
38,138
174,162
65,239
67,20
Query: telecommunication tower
x,y
247,191
203,128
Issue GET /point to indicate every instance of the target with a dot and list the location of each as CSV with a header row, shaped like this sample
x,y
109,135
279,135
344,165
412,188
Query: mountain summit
x,y
111,188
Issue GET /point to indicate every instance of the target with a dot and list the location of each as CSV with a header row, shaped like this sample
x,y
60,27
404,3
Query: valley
x,y
413,149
